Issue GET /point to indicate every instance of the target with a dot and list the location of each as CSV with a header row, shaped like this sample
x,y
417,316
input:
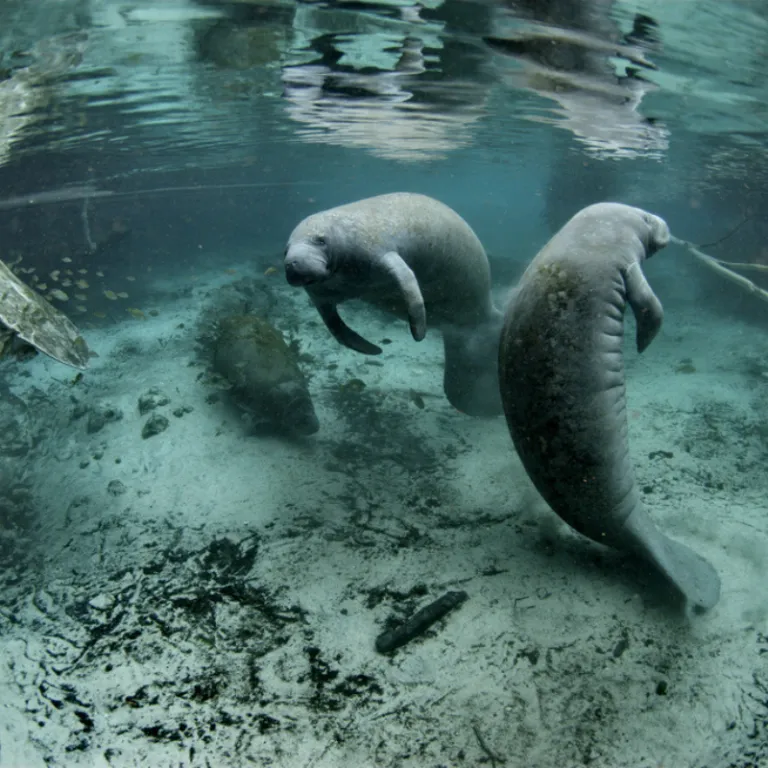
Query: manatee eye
x,y
319,240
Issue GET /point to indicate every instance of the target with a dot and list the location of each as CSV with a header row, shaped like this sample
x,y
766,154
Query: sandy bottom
x,y
208,597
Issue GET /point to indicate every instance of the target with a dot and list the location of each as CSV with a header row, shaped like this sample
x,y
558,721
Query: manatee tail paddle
x,y
692,575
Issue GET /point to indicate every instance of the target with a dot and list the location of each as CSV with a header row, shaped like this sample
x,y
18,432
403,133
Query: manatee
x,y
264,376
562,385
413,257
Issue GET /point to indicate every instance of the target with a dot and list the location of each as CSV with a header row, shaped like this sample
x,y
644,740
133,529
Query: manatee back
x,y
561,374
264,373
252,354
446,255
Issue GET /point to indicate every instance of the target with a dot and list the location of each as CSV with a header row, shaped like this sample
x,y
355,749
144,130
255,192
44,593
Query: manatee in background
x,y
264,375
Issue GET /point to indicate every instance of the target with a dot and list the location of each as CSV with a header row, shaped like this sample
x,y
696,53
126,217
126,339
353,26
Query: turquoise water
x,y
190,578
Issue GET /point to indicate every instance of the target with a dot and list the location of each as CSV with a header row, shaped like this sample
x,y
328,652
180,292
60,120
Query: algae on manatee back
x,y
561,285
264,373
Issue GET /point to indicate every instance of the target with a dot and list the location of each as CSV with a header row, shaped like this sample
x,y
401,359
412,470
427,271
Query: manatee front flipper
x,y
695,579
393,265
342,332
645,305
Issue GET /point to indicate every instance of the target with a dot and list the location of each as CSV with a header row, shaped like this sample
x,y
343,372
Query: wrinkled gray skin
x,y
26,315
265,378
562,384
416,258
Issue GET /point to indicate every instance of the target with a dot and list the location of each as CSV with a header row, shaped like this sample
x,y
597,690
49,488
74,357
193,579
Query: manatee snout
x,y
297,413
295,275
305,263
308,424
659,234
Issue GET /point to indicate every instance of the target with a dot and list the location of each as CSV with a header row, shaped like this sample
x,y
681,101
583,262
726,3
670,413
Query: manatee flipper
x,y
342,332
688,572
645,305
393,265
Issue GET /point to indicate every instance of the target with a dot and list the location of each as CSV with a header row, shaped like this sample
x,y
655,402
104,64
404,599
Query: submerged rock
x,y
101,415
151,399
264,374
155,424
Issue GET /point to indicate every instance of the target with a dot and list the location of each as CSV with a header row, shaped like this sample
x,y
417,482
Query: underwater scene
x,y
383,383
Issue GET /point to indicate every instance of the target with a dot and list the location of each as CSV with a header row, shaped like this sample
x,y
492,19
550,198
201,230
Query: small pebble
x,y
151,399
101,602
116,488
102,415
